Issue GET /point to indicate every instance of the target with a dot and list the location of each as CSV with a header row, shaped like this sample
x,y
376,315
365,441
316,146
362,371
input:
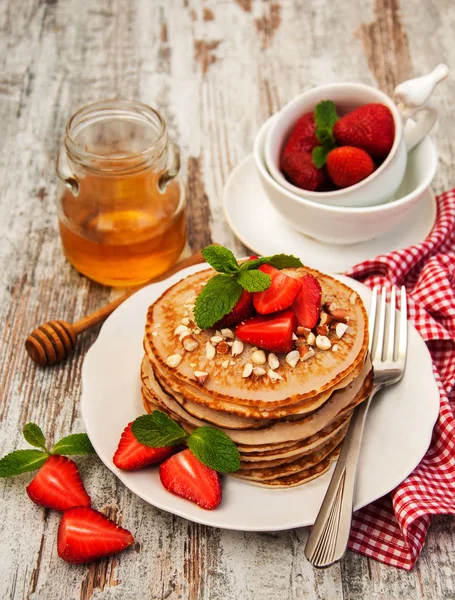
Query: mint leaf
x,y
76,443
319,155
279,261
221,259
34,436
21,461
216,299
325,115
254,281
215,449
157,430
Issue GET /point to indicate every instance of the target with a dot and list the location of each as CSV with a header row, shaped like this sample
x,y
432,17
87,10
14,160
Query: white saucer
x,y
259,226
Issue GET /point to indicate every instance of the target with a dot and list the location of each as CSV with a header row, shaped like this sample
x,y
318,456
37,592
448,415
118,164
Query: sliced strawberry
x,y
307,304
271,332
85,534
58,485
241,311
131,455
280,295
183,474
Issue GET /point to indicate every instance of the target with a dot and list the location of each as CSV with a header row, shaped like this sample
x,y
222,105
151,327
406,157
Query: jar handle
x,y
64,172
172,171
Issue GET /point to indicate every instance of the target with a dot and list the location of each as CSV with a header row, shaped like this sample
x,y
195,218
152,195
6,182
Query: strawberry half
x,y
241,311
300,170
131,455
303,136
58,485
307,304
85,534
370,127
280,295
183,474
348,165
272,332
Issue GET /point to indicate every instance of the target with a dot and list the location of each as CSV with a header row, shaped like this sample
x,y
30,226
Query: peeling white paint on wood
x,y
216,70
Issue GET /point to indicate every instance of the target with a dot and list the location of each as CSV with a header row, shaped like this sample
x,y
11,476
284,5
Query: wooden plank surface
x,y
216,70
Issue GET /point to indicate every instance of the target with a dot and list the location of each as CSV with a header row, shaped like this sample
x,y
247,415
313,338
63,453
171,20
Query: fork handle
x,y
329,536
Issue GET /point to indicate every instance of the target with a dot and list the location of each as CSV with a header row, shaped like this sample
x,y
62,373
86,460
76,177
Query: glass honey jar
x,y
121,207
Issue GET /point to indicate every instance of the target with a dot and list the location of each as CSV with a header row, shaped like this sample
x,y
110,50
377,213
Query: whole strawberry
x,y
369,127
300,170
348,165
303,136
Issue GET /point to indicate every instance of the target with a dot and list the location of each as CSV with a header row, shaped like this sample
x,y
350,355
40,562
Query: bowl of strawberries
x,y
344,144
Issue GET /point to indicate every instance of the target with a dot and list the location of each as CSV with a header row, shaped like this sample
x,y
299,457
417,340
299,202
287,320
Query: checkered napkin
x,y
393,529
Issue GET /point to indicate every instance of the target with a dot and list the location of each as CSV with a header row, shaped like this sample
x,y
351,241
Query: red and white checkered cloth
x,y
393,529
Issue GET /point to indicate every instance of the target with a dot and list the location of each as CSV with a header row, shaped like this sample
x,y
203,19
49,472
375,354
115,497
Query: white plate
x,y
397,433
257,224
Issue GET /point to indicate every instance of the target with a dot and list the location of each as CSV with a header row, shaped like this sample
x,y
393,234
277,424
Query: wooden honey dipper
x,y
54,341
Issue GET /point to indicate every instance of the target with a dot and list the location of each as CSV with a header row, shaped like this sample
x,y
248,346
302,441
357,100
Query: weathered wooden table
x,y
216,70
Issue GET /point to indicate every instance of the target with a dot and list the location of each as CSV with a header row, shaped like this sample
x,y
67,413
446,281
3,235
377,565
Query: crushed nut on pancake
x,y
273,361
341,315
190,343
341,329
258,372
201,377
222,348
173,360
216,339
323,342
258,357
273,376
247,369
292,358
322,330
237,348
210,351
353,298
227,333
305,352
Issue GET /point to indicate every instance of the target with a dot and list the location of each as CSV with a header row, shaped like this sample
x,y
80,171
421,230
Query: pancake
x,y
315,376
280,431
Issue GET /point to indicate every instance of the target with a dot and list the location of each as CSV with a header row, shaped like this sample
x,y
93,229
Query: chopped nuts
x,y
218,333
311,339
173,360
154,333
201,377
258,357
341,329
222,348
353,298
227,333
273,376
303,331
259,372
300,342
325,319
190,343
292,358
237,348
322,330
216,339
335,348
294,337
232,363
181,329
247,369
273,361
305,352
330,307
340,314
225,364
323,342
209,351
185,321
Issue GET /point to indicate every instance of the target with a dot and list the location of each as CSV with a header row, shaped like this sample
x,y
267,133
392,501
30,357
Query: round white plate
x,y
257,224
397,433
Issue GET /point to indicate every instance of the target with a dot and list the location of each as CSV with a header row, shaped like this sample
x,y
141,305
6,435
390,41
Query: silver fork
x,y
329,536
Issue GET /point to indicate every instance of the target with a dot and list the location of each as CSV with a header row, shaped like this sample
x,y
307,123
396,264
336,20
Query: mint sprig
x,y
325,116
22,461
208,444
222,292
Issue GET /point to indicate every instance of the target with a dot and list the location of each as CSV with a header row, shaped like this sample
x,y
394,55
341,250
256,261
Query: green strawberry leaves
x,y
215,449
325,116
157,430
222,292
208,444
22,461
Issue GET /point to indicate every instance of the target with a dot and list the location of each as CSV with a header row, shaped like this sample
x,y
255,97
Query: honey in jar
x,y
122,209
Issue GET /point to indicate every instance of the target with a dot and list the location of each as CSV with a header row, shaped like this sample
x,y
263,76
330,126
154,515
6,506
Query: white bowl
x,y
380,186
334,224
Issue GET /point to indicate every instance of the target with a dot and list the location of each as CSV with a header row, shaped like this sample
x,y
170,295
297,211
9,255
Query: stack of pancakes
x,y
287,429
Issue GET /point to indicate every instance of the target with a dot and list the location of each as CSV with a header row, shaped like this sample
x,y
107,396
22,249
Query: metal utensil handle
x,y
329,536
